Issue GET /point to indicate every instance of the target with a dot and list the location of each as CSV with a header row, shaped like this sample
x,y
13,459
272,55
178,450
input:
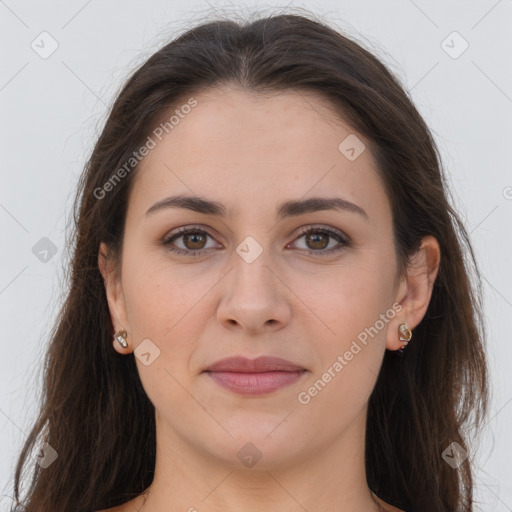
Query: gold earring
x,y
405,335
120,337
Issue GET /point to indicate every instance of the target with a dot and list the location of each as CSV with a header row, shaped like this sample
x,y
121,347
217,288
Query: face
x,y
313,286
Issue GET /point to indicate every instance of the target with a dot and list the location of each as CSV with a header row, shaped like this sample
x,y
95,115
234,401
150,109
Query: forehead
x,y
244,148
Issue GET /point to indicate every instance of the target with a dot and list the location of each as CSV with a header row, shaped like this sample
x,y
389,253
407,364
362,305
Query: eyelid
x,y
342,239
183,230
321,227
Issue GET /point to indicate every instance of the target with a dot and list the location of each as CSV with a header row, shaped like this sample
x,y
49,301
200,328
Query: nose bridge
x,y
253,297
251,267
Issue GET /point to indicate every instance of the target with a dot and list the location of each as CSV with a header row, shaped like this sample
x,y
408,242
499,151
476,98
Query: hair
x,y
95,412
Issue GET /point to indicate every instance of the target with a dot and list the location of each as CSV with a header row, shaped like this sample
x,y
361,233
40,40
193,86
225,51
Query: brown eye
x,y
193,241
317,240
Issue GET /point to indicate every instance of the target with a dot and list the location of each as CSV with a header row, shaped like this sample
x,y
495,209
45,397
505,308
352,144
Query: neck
x,y
329,477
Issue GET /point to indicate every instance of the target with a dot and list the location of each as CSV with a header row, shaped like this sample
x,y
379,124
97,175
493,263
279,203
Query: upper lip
x,y
258,365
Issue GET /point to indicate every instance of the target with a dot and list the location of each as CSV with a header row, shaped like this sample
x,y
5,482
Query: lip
x,y
260,364
254,376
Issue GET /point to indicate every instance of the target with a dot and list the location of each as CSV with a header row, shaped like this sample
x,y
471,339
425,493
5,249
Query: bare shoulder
x,y
386,506
390,508
133,505
129,506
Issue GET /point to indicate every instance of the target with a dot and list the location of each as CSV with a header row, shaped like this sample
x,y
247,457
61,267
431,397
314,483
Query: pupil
x,y
195,236
315,240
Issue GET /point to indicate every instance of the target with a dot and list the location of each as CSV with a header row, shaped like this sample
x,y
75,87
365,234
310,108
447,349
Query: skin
x,y
251,152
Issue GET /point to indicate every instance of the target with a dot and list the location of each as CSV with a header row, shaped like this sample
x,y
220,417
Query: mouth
x,y
258,376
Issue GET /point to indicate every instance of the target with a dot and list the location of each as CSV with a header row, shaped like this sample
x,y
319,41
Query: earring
x,y
405,336
120,337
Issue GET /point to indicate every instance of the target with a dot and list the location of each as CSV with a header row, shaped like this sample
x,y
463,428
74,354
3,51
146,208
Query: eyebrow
x,y
287,209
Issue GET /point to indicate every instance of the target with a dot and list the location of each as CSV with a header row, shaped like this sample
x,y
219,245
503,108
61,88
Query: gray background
x,y
52,109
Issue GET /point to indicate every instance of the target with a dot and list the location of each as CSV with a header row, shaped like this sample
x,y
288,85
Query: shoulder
x,y
119,508
130,506
386,506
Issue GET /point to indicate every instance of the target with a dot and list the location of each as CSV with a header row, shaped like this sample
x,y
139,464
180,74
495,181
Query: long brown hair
x,y
95,412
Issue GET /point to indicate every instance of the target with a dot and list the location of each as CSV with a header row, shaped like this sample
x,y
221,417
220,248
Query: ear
x,y
415,290
115,295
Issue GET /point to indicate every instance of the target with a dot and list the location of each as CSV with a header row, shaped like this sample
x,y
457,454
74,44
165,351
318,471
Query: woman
x,y
270,304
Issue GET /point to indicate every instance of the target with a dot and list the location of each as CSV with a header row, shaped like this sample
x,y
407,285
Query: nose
x,y
254,298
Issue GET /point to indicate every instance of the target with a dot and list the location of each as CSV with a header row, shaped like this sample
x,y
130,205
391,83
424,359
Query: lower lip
x,y
255,383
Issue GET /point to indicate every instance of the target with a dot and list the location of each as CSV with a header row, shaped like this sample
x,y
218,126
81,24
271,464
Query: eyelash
x,y
343,240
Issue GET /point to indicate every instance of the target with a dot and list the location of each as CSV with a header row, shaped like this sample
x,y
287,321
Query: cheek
x,y
349,353
356,305
155,298
353,296
167,303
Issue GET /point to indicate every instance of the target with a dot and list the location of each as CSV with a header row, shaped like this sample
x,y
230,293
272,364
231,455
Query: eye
x,y
317,240
194,240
